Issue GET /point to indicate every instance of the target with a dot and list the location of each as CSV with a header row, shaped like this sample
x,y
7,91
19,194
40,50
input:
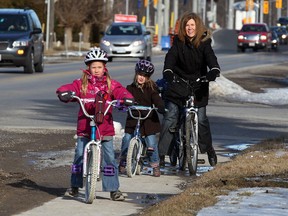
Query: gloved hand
x,y
161,110
168,75
212,74
65,96
128,101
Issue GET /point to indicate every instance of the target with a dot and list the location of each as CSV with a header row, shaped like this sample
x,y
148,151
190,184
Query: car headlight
x,y
240,37
263,37
274,41
20,43
106,42
283,36
138,42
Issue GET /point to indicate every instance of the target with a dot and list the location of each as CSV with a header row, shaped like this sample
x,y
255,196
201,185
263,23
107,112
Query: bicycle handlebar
x,y
115,103
140,108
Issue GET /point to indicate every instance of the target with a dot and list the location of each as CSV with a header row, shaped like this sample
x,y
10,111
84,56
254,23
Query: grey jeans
x,y
169,123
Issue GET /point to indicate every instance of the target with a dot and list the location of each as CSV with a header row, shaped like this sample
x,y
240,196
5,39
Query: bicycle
x,y
137,149
186,147
92,153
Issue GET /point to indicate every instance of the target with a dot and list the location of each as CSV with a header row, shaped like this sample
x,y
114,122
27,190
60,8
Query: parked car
x,y
255,36
275,40
21,40
281,32
127,39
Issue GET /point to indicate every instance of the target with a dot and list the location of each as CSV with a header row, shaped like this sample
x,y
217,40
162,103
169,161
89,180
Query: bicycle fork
x,y
87,149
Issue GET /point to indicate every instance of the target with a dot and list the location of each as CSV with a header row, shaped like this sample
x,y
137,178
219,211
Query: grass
x,y
261,165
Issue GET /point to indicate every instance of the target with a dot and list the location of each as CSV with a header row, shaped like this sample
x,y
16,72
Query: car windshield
x,y
13,23
253,28
124,30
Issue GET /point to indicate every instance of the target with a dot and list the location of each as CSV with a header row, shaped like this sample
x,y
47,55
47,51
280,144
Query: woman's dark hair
x,y
200,28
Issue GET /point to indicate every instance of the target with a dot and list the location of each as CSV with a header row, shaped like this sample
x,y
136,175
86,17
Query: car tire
x,y
148,58
29,67
39,67
110,59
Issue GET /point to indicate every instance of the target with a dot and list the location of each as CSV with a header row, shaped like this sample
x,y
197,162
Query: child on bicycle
x,y
145,93
95,79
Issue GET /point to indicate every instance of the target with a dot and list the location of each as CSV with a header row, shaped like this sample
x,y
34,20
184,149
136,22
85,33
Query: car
x,y
21,40
275,40
128,40
255,36
282,21
281,32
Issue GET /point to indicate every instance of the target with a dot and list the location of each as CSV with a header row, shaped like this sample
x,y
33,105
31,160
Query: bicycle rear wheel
x,y
93,167
191,144
132,157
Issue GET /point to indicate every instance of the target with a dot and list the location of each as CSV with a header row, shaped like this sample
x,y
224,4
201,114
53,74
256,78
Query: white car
x,y
127,40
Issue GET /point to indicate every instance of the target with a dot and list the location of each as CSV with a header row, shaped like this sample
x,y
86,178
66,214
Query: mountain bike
x,y
186,147
92,153
137,148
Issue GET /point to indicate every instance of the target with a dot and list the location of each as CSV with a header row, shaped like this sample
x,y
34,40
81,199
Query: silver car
x,y
127,39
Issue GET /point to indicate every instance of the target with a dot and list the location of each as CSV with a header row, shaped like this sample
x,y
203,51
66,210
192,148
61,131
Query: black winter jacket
x,y
191,63
145,97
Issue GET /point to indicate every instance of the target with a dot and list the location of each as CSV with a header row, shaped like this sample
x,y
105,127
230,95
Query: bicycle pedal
x,y
201,161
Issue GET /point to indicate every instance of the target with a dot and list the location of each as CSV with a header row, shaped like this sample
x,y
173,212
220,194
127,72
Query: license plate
x,y
252,44
121,51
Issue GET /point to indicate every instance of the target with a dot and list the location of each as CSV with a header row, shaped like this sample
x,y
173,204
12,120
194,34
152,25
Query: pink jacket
x,y
95,84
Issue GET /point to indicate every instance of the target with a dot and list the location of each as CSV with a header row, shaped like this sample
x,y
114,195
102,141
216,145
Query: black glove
x,y
65,96
161,110
168,75
128,101
212,74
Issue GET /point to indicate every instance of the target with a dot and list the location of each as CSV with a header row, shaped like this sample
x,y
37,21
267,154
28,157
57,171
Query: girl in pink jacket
x,y
95,79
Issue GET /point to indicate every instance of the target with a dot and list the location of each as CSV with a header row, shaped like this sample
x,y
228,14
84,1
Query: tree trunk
x,y
68,37
86,30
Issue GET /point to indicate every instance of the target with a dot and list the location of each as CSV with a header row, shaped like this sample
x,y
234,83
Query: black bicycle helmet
x,y
145,67
96,54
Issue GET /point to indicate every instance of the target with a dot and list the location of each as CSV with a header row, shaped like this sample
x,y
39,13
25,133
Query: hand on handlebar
x,y
65,96
212,74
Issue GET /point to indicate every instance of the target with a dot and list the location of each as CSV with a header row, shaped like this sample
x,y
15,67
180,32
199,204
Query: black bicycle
x,y
186,147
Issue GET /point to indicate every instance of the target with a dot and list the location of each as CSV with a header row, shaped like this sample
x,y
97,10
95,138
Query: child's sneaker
x,y
156,171
74,191
117,196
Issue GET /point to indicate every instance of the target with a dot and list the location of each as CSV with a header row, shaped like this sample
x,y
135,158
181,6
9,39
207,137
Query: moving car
x,y
255,36
275,41
21,40
283,21
127,39
281,32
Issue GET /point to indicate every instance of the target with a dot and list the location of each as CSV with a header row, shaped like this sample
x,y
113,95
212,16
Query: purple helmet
x,y
144,66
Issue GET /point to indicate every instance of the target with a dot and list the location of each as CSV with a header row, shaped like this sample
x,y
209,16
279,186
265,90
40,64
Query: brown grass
x,y
261,165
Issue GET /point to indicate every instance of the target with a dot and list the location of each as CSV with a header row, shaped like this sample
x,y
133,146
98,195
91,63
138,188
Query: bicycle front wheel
x,y
191,144
132,159
93,169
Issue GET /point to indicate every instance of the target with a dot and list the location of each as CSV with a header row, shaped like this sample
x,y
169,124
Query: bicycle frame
x,y
92,154
136,146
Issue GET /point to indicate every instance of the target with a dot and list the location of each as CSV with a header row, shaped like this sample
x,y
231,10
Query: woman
x,y
187,60
95,82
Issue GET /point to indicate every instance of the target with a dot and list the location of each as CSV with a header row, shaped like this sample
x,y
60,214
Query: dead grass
x,y
261,165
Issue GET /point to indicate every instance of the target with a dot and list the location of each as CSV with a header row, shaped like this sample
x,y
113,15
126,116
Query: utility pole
x,y
159,21
261,11
230,15
48,24
195,6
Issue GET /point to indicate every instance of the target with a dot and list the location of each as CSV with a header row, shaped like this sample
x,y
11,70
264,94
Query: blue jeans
x,y
149,140
109,182
169,124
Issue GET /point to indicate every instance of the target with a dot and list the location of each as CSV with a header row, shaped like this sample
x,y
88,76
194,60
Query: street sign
x,y
125,18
